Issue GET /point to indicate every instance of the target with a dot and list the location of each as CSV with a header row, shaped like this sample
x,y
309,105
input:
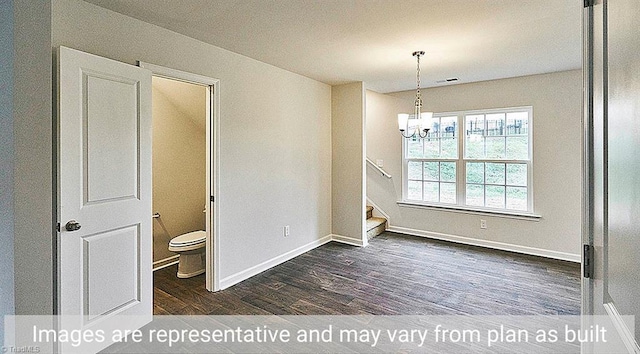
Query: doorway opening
x,y
185,173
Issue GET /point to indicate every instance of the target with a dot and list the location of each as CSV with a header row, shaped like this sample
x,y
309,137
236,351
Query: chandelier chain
x,y
415,125
418,94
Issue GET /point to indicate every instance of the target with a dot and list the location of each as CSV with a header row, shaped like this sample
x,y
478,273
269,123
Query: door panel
x,y
111,163
623,105
111,260
613,206
104,183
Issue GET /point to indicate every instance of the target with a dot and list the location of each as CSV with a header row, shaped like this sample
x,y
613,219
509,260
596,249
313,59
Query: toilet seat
x,y
189,241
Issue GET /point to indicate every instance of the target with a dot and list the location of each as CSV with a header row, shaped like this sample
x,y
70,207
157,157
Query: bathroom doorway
x,y
185,170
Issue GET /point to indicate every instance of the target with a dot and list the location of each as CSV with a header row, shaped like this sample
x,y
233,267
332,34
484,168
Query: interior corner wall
x,y
179,164
557,168
33,159
7,299
275,134
347,164
384,142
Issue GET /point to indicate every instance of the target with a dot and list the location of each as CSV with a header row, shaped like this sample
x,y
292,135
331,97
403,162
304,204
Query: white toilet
x,y
191,248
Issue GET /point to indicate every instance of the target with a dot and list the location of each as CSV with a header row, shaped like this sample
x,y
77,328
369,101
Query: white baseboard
x,y
348,240
163,263
488,244
257,269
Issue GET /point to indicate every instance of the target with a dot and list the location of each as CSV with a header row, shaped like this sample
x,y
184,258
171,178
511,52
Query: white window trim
x,y
506,213
461,170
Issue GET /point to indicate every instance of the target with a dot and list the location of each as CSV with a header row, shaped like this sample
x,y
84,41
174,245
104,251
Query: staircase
x,y
375,225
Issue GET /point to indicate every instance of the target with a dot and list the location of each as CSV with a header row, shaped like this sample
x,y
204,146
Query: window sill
x,y
467,210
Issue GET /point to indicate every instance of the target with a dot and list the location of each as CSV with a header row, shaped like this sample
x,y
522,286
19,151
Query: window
x,y
431,163
477,160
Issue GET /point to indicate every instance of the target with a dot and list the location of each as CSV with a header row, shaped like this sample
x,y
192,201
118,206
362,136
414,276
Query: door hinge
x,y
212,199
589,3
58,227
587,261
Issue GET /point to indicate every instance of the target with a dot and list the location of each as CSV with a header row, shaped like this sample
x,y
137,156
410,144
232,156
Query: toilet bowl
x,y
191,248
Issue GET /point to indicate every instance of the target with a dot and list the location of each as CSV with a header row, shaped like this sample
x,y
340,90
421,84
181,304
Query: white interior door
x,y
104,185
613,136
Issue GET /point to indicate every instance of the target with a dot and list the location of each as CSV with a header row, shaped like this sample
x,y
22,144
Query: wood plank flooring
x,y
395,275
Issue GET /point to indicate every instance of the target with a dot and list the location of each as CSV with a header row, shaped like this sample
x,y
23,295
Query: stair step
x,y
375,226
369,211
375,222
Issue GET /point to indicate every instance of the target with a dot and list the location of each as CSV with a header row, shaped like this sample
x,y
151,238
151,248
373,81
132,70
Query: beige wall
x,y
347,168
7,294
179,162
275,132
34,218
557,101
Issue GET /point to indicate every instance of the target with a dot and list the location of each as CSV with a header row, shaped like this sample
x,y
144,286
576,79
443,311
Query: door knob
x,y
72,225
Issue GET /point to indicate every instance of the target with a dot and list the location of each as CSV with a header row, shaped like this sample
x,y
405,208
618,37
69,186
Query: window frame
x,y
461,163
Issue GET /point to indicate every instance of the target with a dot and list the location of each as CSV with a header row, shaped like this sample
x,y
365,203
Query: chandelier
x,y
418,123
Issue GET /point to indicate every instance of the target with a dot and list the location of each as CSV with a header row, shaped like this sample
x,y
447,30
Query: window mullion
x,y
504,198
530,185
461,189
405,171
484,184
422,182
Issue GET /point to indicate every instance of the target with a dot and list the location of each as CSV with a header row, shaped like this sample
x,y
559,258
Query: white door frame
x,y
212,266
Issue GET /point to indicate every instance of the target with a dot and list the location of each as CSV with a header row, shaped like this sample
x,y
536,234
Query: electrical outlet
x,y
380,163
286,231
483,224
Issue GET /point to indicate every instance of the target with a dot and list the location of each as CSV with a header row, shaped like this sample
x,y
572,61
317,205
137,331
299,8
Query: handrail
x,y
383,172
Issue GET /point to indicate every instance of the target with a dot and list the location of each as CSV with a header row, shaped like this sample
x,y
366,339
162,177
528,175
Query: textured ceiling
x,y
339,41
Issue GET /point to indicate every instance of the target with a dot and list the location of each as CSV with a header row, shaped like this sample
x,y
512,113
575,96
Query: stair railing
x,y
383,172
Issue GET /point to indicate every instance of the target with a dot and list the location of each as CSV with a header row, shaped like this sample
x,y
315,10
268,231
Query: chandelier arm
x,y
407,136
407,130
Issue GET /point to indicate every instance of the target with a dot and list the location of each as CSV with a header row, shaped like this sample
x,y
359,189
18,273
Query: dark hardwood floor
x,y
394,275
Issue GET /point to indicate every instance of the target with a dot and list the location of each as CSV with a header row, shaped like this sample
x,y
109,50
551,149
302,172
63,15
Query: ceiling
x,y
340,41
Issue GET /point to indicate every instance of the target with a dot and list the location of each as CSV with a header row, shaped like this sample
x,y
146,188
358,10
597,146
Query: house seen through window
x,y
474,159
